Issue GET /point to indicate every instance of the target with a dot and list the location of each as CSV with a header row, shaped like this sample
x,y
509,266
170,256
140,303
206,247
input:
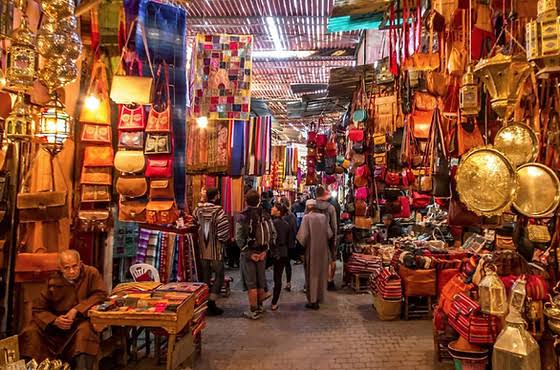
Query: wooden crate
x,y
360,282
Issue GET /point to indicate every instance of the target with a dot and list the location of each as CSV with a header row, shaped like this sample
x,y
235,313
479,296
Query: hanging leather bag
x,y
159,117
96,134
98,156
133,89
98,89
132,186
161,212
161,189
130,161
132,210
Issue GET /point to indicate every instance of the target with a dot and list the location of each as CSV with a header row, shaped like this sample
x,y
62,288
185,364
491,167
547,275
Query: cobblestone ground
x,y
343,334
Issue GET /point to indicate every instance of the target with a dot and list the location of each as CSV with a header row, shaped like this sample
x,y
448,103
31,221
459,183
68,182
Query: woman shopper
x,y
279,250
314,234
290,218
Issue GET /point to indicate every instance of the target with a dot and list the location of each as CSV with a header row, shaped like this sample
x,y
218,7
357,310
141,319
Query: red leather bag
x,y
465,317
356,134
420,200
361,193
393,178
159,166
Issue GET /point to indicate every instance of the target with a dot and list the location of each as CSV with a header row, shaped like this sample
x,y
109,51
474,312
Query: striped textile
x,y
386,283
213,230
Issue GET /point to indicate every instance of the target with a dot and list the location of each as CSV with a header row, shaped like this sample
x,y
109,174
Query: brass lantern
x,y
468,94
55,126
20,124
542,39
503,77
492,293
22,58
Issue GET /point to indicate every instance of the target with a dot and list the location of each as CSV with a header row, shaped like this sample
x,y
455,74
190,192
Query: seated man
x,y
60,327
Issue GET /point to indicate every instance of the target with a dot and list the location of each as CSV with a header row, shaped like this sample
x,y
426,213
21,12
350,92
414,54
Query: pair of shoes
x,y
312,306
214,310
253,315
288,287
330,286
274,307
261,309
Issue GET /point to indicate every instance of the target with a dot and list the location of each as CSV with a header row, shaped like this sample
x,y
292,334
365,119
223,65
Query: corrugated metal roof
x,y
302,25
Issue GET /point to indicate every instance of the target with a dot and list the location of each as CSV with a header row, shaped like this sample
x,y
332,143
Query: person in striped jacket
x,y
214,230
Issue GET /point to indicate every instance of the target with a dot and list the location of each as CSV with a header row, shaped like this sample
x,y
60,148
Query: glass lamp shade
x,y
493,296
515,348
20,124
55,126
22,58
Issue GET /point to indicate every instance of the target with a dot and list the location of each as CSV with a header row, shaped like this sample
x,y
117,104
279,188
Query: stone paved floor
x,y
343,334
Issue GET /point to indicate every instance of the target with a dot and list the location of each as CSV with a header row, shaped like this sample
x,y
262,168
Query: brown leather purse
x,y
98,156
132,210
96,134
161,189
94,220
95,193
420,121
98,88
130,161
424,101
437,83
161,212
132,186
97,176
418,283
35,267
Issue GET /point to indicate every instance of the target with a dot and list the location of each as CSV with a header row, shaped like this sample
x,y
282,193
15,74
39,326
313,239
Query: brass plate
x,y
539,190
518,142
486,181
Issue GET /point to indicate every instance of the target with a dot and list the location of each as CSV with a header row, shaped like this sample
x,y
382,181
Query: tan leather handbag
x,y
96,134
161,212
95,193
132,210
161,189
98,89
94,220
98,156
437,83
133,89
130,161
132,186
363,223
97,176
425,101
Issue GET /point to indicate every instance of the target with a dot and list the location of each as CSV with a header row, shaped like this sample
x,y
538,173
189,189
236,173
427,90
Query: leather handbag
x,y
392,179
98,89
538,233
459,215
457,62
360,208
41,206
131,139
98,156
420,201
159,117
159,166
96,134
425,101
133,89
361,193
131,118
162,189
132,186
386,111
420,121
454,286
364,223
132,210
418,283
35,267
96,176
361,176
161,212
158,144
95,193
437,83
98,220
130,161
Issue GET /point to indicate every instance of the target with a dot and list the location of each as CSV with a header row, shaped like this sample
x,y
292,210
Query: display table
x,y
172,322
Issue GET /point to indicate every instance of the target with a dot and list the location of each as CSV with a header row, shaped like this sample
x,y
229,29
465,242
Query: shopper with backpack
x,y
254,234
213,233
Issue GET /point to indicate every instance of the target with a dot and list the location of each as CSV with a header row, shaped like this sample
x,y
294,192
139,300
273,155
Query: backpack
x,y
260,231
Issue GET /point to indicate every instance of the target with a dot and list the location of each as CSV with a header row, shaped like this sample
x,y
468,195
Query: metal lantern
x,y
22,58
542,39
20,124
503,77
468,95
6,17
492,293
55,126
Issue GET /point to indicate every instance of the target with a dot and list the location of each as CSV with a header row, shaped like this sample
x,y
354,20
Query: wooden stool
x,y
360,282
441,341
418,311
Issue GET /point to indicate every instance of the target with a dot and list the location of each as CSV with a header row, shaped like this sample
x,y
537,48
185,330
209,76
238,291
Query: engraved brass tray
x,y
486,181
539,190
518,142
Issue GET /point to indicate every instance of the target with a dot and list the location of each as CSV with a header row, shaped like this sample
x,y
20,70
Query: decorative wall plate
x,y
486,181
518,142
539,190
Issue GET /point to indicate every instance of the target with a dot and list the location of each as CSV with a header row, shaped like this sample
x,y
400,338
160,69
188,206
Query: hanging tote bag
x,y
133,89
159,118
97,108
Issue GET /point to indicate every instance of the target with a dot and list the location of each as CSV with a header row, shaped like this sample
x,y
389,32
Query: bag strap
x,y
159,88
144,42
98,82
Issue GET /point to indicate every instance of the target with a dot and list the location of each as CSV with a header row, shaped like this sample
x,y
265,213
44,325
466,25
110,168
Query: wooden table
x,y
172,322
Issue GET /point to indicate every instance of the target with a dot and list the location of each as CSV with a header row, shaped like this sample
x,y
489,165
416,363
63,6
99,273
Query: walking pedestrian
x,y
314,234
293,254
325,206
279,250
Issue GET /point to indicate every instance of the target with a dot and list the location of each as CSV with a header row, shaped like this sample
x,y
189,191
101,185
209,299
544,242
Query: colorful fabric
x,y
214,230
237,144
222,76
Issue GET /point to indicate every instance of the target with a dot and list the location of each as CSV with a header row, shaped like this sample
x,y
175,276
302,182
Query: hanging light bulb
x,y
202,122
55,126
92,102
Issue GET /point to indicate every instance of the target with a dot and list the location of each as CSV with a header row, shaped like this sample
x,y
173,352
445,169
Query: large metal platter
x,y
539,190
518,142
486,181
